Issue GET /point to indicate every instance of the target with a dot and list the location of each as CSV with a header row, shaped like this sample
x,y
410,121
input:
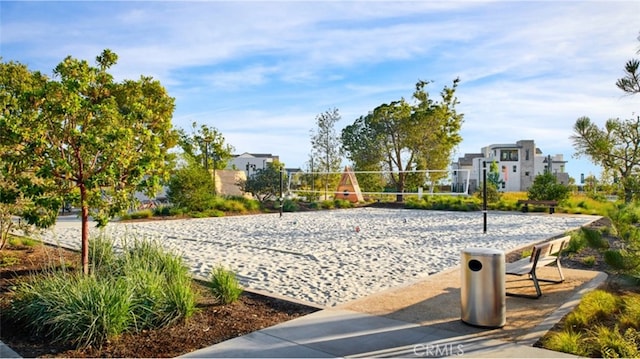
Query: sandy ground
x,y
332,257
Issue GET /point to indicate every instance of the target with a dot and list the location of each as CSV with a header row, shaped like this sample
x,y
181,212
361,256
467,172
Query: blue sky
x,y
261,71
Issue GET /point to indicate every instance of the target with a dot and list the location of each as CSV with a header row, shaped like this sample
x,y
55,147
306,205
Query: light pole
x,y
484,196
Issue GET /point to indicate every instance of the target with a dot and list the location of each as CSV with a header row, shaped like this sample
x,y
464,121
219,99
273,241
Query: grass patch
x,y
224,285
605,324
15,241
589,261
140,288
7,260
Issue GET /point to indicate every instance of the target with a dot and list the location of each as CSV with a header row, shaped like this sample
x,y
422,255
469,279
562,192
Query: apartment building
x,y
518,163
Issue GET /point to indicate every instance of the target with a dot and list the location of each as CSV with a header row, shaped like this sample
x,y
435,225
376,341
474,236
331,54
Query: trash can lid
x,y
489,252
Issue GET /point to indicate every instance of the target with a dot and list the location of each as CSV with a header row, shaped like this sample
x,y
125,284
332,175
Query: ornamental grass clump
x,y
140,288
224,285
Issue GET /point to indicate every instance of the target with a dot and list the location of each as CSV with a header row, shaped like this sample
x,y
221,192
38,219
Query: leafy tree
x,y
326,147
400,137
92,135
493,176
630,83
358,139
616,148
206,145
190,187
20,194
264,184
545,187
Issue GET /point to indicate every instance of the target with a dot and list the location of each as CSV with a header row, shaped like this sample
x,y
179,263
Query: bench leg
x,y
559,267
538,294
551,210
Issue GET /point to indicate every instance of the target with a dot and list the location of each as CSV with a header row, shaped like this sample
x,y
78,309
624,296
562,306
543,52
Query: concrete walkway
x,y
345,332
350,331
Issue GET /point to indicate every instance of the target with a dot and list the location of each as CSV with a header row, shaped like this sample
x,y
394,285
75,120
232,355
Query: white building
x,y
518,165
250,162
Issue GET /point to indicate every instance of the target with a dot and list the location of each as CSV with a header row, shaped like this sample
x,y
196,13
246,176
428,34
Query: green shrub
x,y
589,261
101,255
342,203
546,187
566,342
224,285
611,343
8,260
290,206
191,187
594,238
630,316
598,304
162,211
77,309
142,287
248,203
229,205
327,204
576,243
22,241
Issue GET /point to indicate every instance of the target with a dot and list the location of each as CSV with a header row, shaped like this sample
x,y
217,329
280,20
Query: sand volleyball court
x,y
332,257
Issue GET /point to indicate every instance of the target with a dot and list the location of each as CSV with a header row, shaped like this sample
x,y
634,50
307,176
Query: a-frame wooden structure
x,y
348,187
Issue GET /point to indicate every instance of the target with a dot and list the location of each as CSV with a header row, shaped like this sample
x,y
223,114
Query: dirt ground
x,y
213,323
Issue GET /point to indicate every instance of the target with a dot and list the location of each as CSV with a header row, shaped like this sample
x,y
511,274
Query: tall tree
x,y
616,148
357,140
326,147
99,137
20,194
630,83
404,137
264,185
206,145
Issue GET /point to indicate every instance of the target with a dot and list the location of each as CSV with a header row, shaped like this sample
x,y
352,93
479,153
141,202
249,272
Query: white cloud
x,y
260,71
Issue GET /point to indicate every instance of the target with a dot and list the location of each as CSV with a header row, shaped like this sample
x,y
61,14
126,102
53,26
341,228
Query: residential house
x,y
518,164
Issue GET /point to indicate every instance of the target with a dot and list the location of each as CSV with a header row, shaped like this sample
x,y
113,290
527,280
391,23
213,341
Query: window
x,y
515,169
508,155
526,173
526,154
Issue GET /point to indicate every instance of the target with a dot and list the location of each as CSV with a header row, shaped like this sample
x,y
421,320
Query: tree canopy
x,y
326,148
615,147
206,145
400,137
264,184
89,136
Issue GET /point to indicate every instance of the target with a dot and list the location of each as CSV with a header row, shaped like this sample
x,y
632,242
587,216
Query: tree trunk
x,y
400,188
85,230
628,195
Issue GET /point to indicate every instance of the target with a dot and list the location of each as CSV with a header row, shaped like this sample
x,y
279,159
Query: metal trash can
x,y
483,289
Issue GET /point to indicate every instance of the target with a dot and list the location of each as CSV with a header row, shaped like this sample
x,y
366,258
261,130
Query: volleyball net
x,y
379,183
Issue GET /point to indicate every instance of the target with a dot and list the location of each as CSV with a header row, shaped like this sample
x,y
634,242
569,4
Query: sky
x,y
260,72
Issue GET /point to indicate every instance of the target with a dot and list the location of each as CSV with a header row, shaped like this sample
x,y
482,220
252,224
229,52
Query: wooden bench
x,y
525,204
542,254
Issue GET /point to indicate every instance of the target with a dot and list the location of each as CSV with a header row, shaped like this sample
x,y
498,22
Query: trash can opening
x,y
475,265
